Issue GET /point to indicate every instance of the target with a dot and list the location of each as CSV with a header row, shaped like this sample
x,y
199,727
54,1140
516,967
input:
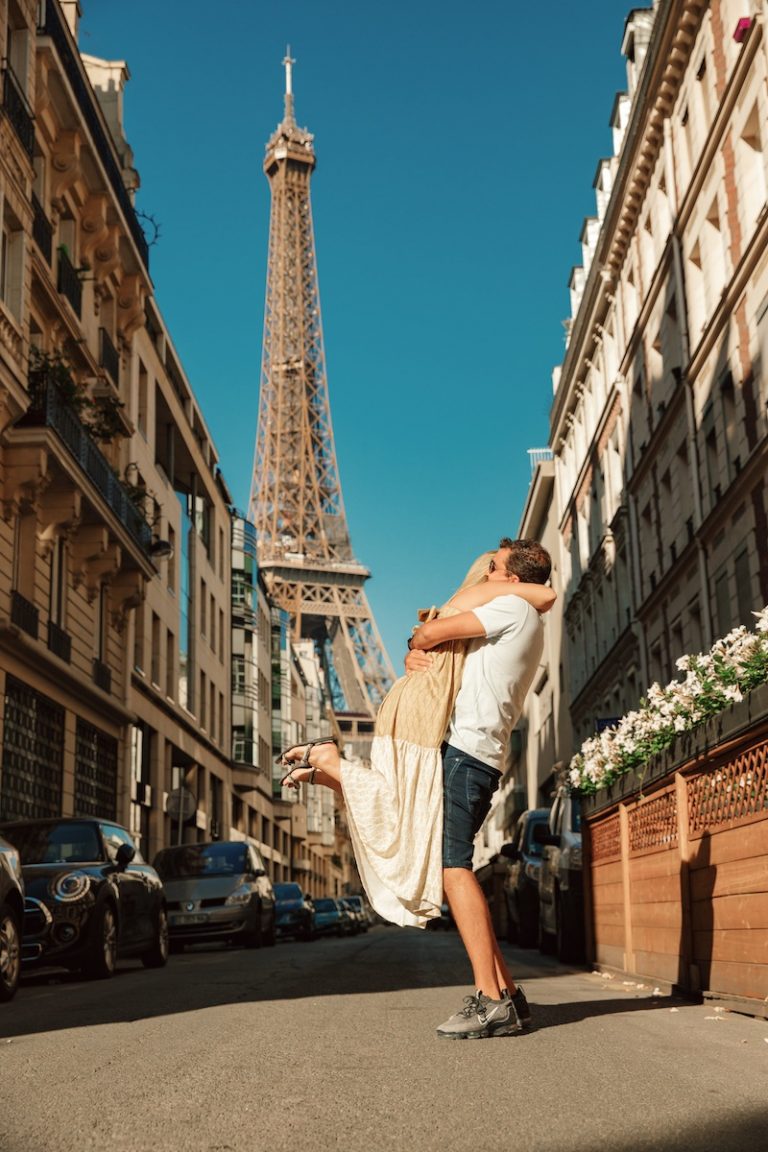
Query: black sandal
x,y
303,763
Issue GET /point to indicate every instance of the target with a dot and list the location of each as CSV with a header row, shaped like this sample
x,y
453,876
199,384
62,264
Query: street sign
x,y
181,804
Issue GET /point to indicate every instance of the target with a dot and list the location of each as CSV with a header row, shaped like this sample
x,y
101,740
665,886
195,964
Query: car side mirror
x,y
125,853
509,851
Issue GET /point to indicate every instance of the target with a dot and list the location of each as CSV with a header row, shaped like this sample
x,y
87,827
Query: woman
x,y
395,807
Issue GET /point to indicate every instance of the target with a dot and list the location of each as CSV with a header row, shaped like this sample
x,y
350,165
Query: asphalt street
x,y
331,1045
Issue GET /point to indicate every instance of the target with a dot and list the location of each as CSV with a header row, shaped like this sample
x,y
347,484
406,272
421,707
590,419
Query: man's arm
x,y
463,626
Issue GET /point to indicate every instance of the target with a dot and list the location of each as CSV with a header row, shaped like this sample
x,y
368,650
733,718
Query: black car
x,y
217,891
11,917
521,884
295,913
90,898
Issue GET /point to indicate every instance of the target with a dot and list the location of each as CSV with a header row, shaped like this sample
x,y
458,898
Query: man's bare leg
x,y
473,920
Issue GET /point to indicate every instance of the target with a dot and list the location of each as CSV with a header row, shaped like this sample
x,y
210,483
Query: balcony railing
x,y
539,456
18,111
108,357
52,24
59,642
49,410
23,614
102,677
42,230
69,282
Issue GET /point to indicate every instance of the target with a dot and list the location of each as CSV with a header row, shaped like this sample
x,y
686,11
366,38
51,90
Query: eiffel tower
x,y
296,504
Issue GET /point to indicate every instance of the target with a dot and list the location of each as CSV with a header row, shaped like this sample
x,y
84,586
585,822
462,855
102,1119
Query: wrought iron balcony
x,y
42,230
59,642
18,111
24,614
49,410
69,282
52,24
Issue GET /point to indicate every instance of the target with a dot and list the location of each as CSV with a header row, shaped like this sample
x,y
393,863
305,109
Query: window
x,y
743,588
751,161
723,603
138,638
102,620
155,656
58,589
11,262
170,662
203,607
141,407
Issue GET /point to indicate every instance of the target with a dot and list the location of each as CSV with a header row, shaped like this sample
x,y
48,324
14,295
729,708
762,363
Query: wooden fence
x,y
678,874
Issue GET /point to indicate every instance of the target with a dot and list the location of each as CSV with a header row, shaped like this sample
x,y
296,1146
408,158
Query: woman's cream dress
x,y
395,807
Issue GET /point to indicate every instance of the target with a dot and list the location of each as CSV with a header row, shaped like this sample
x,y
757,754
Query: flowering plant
x,y
710,682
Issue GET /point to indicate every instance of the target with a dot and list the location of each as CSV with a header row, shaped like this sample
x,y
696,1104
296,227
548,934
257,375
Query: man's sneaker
x,y
481,1018
521,1005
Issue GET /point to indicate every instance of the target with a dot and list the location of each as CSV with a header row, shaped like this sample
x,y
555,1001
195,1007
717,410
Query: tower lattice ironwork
x,y
296,502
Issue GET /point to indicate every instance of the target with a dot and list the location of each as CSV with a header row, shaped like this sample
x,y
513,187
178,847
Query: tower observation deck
x,y
296,503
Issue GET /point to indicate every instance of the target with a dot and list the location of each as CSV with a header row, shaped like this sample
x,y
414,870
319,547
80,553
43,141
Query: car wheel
x,y
252,938
511,927
102,960
528,930
10,953
570,936
547,942
157,956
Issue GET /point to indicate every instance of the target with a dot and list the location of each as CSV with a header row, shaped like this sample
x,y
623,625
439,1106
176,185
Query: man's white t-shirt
x,y
498,672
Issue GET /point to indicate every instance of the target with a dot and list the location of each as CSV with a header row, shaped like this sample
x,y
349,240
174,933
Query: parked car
x,y
331,917
363,908
217,891
11,919
295,914
521,884
561,892
90,898
358,920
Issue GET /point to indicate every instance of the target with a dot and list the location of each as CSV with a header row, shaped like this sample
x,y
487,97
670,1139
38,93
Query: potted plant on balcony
x,y
100,415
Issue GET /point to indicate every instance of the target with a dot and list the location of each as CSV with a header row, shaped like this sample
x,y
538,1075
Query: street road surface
x,y
331,1045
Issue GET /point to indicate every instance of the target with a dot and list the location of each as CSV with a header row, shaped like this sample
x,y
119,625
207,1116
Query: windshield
x,y
65,843
192,860
325,905
287,892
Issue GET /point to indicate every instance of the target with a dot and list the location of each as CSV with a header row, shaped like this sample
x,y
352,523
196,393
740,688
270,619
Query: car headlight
x,y
241,895
71,886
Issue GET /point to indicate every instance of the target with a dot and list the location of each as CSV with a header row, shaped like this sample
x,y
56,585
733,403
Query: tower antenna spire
x,y
289,62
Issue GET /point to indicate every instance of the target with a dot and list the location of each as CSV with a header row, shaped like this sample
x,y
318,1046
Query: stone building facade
x,y
658,425
136,637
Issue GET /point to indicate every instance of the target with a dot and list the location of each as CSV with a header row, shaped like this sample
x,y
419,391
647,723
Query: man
x,y
506,641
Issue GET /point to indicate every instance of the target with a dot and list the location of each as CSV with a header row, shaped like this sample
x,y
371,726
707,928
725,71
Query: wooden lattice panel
x,y
606,839
731,792
654,823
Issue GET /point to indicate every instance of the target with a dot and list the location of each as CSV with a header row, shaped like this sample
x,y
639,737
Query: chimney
x,y
72,13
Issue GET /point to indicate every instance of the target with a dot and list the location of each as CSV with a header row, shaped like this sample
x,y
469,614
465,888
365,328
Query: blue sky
x,y
457,143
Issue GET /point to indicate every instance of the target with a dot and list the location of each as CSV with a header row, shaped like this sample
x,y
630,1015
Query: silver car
x,y
11,917
217,891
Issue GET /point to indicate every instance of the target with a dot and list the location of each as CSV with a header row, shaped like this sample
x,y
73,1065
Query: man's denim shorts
x,y
468,786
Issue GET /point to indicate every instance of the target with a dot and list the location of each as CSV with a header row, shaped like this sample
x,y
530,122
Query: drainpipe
x,y
694,461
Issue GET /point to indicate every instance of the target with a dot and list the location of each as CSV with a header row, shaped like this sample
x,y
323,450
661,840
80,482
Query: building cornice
x,y
675,29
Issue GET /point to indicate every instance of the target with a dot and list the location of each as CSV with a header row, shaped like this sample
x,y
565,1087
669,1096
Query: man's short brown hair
x,y
528,560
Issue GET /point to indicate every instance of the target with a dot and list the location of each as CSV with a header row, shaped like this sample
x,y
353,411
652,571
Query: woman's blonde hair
x,y
478,571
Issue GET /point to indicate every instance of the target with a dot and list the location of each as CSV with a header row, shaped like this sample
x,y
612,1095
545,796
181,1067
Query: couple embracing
x,y
439,745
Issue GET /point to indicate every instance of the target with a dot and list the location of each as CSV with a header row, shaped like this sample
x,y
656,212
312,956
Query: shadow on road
x,y
387,960
725,1134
